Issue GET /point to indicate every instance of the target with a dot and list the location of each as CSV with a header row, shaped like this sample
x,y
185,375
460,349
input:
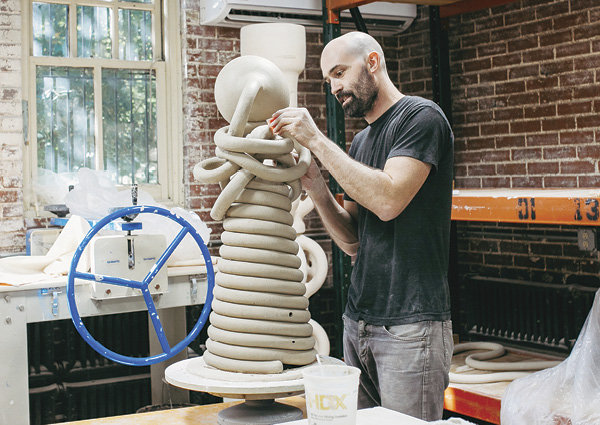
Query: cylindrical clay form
x,y
260,318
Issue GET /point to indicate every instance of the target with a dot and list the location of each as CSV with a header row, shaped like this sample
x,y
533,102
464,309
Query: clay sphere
x,y
272,95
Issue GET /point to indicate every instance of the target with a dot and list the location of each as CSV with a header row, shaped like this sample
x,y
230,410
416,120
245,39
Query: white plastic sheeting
x,y
567,393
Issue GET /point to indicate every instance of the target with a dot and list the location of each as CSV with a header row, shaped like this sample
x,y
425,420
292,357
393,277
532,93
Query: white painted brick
x,y
9,225
13,210
10,36
11,124
11,139
9,94
10,51
8,21
10,153
11,79
11,6
12,242
12,182
10,108
8,65
10,169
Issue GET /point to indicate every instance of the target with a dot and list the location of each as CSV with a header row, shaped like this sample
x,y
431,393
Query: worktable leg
x,y
14,369
173,320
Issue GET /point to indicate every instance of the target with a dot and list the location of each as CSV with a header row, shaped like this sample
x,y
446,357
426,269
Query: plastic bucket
x,y
331,394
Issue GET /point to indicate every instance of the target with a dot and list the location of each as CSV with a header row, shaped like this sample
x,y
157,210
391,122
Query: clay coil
x,y
291,357
254,255
267,299
244,268
267,172
260,213
264,198
252,145
259,227
258,184
242,366
261,312
214,170
260,326
260,241
258,284
268,341
230,194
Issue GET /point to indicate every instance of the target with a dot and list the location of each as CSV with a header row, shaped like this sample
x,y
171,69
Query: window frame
x,y
166,64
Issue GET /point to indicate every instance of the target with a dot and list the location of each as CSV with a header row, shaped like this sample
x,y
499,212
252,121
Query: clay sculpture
x,y
259,322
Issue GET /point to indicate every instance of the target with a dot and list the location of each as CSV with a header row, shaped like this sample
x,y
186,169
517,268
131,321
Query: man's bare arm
x,y
384,192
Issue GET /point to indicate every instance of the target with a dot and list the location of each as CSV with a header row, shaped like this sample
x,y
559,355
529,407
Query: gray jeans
x,y
403,368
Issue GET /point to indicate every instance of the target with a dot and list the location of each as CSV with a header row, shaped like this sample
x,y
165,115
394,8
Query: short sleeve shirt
x,y
401,270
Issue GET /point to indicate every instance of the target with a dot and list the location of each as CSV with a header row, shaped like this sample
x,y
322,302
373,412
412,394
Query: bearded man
x,y
397,182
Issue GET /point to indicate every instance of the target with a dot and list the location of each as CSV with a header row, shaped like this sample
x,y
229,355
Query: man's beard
x,y
362,97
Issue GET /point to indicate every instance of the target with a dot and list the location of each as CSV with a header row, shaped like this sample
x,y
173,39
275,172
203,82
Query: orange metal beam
x,y
335,7
579,207
345,4
466,6
472,404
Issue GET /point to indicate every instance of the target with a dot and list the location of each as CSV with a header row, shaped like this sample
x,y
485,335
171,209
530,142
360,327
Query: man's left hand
x,y
297,124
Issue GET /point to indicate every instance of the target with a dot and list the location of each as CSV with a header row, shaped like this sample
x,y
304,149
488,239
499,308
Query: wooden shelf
x,y
482,401
579,207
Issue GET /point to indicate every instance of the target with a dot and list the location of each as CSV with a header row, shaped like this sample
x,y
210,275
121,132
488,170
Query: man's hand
x,y
313,179
297,124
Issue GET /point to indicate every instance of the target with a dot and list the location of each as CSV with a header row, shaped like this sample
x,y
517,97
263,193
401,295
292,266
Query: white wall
x,y
12,224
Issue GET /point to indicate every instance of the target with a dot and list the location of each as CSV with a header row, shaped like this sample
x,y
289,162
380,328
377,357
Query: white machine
x,y
129,257
381,17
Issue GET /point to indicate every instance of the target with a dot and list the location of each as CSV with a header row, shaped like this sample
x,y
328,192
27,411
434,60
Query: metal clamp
x,y
194,288
54,292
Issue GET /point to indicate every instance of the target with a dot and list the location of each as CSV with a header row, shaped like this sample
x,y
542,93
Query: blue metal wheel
x,y
143,286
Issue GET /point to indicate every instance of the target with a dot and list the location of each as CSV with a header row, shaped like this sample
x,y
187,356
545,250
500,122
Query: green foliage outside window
x,y
93,32
129,126
65,118
50,36
65,95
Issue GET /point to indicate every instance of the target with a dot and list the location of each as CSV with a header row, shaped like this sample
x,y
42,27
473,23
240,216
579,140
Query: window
x,y
96,92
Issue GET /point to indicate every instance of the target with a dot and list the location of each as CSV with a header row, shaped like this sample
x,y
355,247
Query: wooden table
x,y
197,415
482,401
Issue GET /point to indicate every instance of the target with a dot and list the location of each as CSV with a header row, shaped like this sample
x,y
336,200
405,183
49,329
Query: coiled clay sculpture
x,y
260,318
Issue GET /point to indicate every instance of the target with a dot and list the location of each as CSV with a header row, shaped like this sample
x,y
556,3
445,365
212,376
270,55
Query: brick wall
x,y
525,84
12,225
525,87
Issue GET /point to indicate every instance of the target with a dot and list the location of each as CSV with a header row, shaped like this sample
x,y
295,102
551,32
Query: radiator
x,y
69,381
536,315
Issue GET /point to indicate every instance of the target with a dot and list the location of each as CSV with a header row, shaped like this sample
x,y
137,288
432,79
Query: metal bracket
x,y
194,288
25,112
54,292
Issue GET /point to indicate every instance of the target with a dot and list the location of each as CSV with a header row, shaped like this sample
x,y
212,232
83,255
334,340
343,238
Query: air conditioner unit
x,y
379,17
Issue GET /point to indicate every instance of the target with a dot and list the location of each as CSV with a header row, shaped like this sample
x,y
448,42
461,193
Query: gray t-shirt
x,y
401,271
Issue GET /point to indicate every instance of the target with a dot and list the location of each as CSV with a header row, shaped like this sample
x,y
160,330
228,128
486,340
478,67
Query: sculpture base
x,y
259,412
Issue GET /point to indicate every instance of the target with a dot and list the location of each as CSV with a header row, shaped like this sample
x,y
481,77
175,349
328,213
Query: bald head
x,y
354,67
356,44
